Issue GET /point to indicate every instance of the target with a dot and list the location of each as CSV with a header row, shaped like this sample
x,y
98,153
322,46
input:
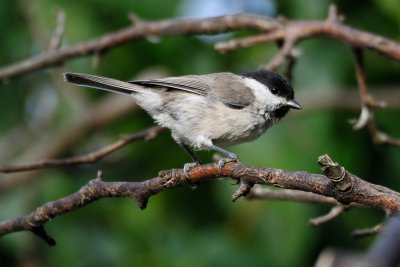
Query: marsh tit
x,y
207,112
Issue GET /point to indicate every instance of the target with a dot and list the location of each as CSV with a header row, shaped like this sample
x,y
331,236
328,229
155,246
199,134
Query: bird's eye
x,y
274,91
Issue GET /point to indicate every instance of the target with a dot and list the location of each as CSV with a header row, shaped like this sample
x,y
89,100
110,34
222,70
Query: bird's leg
x,y
188,166
230,157
191,153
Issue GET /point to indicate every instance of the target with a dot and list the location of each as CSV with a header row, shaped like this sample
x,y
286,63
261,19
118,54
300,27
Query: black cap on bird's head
x,y
277,84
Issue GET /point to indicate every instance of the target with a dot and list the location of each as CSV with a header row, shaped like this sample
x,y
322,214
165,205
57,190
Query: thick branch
x,y
139,31
360,191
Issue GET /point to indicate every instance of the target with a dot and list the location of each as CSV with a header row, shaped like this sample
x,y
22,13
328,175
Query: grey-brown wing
x,y
231,90
225,87
195,84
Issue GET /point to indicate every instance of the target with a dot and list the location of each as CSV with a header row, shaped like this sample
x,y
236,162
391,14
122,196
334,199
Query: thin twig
x,y
226,46
368,103
56,40
261,193
91,157
381,138
283,54
359,233
335,212
66,135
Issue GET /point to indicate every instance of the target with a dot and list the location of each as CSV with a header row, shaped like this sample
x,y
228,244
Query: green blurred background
x,y
182,227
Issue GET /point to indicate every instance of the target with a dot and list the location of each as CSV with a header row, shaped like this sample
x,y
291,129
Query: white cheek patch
x,y
263,95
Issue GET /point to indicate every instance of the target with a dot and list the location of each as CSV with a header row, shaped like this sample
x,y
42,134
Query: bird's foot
x,y
231,157
186,170
223,161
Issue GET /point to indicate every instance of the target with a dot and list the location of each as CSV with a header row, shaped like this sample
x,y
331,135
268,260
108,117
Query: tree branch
x,y
275,30
338,183
367,231
56,40
66,135
335,212
91,157
139,31
261,193
368,104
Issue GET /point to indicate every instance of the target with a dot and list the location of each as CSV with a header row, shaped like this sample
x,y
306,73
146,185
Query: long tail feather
x,y
103,83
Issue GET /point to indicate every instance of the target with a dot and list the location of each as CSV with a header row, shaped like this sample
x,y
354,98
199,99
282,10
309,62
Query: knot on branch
x,y
373,103
333,15
41,215
170,178
338,175
135,19
41,232
243,190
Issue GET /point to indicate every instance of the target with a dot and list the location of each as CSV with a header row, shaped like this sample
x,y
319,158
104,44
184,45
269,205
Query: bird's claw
x,y
186,170
223,161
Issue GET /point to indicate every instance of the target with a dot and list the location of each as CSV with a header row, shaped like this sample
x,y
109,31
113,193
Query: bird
x,y
209,111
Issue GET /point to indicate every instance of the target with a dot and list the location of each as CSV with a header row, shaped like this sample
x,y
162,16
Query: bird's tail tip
x,y
68,76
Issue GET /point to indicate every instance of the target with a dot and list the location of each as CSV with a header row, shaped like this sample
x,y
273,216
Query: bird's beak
x,y
292,103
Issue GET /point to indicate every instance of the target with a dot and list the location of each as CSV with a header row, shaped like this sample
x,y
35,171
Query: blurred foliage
x,y
184,227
